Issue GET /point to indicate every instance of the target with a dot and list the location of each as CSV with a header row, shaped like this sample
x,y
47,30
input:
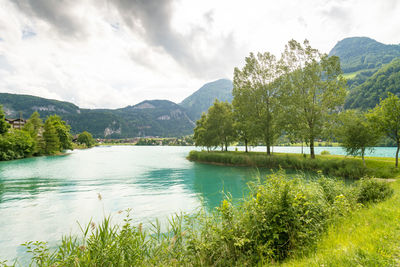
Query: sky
x,y
114,53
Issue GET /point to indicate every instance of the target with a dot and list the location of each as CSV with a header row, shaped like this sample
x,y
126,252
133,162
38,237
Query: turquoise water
x,y
43,198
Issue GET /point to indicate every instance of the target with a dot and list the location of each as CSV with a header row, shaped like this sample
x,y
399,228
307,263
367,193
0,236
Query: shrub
x,y
325,152
370,190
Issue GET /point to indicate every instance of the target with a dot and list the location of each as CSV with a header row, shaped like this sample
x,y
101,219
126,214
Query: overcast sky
x,y
114,53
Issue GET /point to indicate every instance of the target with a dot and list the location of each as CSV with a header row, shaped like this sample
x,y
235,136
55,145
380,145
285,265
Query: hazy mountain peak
x,y
202,99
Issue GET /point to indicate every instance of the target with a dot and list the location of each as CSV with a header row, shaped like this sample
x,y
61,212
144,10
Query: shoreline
x,y
332,165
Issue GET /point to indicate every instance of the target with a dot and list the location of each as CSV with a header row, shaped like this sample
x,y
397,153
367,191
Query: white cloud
x,y
113,53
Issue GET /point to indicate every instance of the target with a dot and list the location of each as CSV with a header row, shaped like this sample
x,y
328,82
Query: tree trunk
x,y
302,147
363,159
268,149
397,153
312,154
226,146
245,144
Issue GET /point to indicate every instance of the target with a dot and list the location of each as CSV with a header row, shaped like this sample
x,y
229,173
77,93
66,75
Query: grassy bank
x,y
280,219
368,237
339,166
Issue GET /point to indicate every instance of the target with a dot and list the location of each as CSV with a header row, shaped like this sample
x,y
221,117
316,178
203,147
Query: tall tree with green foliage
x,y
386,118
63,131
257,91
202,136
314,89
219,124
50,137
244,111
86,139
356,133
34,124
4,126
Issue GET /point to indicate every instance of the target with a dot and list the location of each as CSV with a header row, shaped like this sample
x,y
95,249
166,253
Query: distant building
x,y
16,123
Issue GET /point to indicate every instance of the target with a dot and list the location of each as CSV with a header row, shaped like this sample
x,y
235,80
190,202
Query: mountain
x,y
368,94
363,53
148,118
372,70
202,99
27,104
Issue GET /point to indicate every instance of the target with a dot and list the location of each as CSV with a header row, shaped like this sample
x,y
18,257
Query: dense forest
x,y
368,94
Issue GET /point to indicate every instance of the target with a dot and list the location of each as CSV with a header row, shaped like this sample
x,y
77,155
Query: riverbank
x,y
332,165
280,219
368,237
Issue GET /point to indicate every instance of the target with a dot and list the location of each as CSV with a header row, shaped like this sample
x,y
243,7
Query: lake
x,y
43,198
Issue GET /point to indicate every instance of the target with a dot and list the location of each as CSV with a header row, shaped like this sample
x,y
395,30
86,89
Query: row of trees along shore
x,y
37,138
300,95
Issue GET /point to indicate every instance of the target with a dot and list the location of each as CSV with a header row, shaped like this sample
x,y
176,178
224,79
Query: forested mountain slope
x,y
202,99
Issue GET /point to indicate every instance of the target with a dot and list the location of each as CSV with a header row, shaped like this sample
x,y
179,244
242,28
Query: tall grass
x,y
368,237
280,218
338,166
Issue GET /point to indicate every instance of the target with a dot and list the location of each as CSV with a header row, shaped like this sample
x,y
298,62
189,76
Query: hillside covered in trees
x,y
363,53
148,118
367,94
203,98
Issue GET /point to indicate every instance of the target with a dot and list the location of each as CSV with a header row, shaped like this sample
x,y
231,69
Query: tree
x,y
386,117
244,112
219,124
63,132
50,137
34,124
256,98
216,127
314,89
3,124
201,136
86,138
356,133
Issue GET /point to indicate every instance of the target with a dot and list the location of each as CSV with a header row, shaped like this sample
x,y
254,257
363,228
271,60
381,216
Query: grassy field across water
x,y
332,165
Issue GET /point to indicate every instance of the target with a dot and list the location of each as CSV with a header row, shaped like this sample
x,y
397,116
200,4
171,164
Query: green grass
x,y
368,237
332,165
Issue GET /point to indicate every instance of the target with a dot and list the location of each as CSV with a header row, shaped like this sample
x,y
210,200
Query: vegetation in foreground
x,y
368,237
281,218
331,165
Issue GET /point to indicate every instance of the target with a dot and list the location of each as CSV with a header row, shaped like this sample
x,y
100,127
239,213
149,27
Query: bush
x,y
325,152
372,191
16,145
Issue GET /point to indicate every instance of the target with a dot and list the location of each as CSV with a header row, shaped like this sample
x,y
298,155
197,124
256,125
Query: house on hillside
x,y
16,123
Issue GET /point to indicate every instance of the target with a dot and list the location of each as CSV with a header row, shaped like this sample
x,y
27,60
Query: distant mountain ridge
x,y
148,118
363,53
